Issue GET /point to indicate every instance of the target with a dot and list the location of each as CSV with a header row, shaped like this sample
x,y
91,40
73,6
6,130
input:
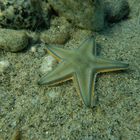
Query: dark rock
x,y
116,10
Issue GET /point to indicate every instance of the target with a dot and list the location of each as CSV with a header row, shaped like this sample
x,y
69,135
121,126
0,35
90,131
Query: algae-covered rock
x,y
24,14
91,14
116,9
13,40
87,14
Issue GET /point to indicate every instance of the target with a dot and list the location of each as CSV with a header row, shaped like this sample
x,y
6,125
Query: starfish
x,y
81,65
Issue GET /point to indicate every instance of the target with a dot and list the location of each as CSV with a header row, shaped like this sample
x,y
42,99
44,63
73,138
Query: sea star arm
x,y
85,85
58,75
88,46
105,65
58,53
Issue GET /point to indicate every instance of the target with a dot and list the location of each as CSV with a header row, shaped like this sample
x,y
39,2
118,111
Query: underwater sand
x,y
42,113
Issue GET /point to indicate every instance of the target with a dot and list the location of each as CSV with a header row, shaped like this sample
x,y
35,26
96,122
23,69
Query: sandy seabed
x,y
42,113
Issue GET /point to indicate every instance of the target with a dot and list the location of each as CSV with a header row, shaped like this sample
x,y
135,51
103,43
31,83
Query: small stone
x,y
4,65
13,40
47,64
33,49
53,94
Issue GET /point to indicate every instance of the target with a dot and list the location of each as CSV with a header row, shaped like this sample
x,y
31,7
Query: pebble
x,y
33,49
47,64
53,94
13,40
4,65
91,14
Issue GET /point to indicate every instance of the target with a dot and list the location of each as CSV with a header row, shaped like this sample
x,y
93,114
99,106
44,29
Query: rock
x,y
88,14
59,32
13,40
116,10
91,14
